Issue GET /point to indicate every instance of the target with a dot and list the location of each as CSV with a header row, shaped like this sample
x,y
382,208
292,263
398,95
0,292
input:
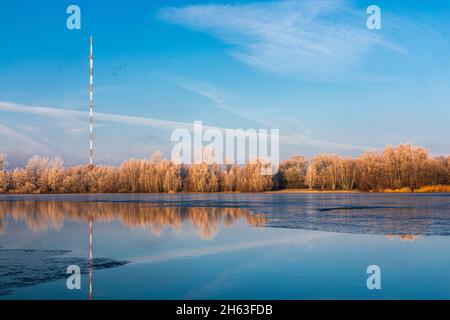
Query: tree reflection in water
x,y
42,216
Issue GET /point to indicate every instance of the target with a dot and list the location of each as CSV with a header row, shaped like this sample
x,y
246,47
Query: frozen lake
x,y
230,246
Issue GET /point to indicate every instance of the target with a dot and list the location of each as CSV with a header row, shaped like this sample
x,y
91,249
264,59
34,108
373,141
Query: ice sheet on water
x,y
382,220
27,267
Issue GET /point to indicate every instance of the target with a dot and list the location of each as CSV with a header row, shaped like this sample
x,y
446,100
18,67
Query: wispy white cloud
x,y
201,88
220,98
270,118
306,38
72,115
27,143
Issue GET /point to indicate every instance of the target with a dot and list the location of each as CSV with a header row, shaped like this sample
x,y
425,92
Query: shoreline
x,y
282,191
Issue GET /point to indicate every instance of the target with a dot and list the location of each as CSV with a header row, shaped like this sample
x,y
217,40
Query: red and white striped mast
x,y
91,59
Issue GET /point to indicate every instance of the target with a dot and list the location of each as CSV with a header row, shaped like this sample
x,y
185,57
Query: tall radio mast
x,y
91,59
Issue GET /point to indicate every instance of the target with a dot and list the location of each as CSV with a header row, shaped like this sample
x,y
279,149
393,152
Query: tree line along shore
x,y
405,168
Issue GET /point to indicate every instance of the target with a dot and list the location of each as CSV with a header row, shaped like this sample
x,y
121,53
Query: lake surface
x,y
225,246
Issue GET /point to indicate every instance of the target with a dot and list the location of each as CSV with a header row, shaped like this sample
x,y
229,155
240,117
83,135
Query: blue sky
x,y
309,68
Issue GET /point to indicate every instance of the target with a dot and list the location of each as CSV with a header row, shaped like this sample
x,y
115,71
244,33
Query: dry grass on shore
x,y
436,188
425,189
